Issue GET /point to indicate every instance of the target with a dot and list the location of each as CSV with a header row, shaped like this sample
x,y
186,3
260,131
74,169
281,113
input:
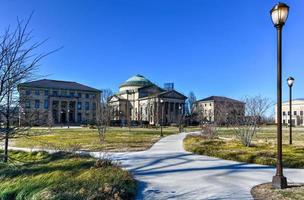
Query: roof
x,y
219,98
137,80
67,85
297,99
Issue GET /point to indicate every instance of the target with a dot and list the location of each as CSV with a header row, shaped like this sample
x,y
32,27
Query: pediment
x,y
173,95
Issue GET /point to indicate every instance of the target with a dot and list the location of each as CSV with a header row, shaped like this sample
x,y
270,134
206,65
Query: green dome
x,y
137,80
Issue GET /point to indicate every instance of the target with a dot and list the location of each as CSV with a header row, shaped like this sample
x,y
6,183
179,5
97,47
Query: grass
x,y
266,191
260,153
117,139
39,175
267,134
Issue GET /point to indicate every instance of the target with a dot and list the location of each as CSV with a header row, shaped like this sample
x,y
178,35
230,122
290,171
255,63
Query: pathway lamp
x,y
279,15
180,116
290,82
162,118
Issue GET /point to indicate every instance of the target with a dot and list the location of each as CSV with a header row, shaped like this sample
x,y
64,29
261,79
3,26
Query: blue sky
x,y
210,47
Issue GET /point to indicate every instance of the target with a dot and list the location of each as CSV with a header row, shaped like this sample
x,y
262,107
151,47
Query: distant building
x,y
58,102
218,109
140,101
169,86
297,112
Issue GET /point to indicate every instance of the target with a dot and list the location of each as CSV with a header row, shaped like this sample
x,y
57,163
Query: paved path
x,y
167,171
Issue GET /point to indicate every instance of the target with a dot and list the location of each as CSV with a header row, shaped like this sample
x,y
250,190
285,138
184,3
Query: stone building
x,y
218,109
297,112
141,101
48,102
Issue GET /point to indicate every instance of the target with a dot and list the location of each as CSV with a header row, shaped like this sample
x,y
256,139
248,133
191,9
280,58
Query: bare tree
x,y
103,113
191,102
18,63
246,126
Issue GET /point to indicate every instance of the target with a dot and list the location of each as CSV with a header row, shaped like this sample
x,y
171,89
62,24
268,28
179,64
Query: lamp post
x,y
180,118
279,15
290,82
162,117
68,118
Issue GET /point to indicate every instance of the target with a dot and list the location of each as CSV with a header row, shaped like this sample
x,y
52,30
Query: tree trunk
x,y
7,129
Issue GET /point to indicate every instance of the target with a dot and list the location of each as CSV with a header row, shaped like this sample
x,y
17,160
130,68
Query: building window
x,y
79,105
94,106
46,93
72,94
79,95
55,93
37,103
37,92
28,92
301,112
294,112
87,106
28,104
284,113
284,122
46,104
87,96
288,113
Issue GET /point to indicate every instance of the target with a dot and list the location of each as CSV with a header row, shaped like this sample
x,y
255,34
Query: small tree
x,y
18,63
246,126
103,114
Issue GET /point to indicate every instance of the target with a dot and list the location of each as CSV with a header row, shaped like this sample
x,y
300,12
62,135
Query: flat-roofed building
x,y
297,112
219,109
58,102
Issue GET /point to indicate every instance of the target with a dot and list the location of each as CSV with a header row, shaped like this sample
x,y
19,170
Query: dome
x,y
136,81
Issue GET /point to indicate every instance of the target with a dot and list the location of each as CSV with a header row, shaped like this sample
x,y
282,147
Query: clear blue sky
x,y
210,47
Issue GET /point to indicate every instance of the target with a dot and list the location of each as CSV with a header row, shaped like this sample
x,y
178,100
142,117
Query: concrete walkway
x,y
167,171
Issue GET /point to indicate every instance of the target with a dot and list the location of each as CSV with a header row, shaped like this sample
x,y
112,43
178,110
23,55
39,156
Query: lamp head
x,y
290,81
279,14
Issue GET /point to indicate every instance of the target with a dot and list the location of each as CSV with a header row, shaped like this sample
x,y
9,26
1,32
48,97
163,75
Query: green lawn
x,y
62,176
117,139
260,153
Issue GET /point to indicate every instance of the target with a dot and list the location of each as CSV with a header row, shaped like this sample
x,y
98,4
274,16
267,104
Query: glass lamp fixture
x,y
290,81
279,14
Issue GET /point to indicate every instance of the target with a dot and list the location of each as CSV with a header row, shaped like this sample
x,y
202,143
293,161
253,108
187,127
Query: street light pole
x,y
290,81
279,15
162,117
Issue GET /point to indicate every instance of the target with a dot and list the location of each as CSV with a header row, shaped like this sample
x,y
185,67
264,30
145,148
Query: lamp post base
x,y
279,182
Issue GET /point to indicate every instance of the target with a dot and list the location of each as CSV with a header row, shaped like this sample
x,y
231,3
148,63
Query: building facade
x,y
139,100
218,109
297,112
48,102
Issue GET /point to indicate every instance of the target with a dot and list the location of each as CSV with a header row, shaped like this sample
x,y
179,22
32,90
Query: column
x,y
50,113
59,111
75,111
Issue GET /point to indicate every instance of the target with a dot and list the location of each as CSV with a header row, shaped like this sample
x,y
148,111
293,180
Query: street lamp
x,y
290,82
180,116
68,118
279,15
162,117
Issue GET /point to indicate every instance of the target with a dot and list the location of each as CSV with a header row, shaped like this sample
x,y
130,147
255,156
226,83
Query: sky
x,y
210,47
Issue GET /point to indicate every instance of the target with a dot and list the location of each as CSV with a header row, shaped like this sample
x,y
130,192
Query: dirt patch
x,y
295,191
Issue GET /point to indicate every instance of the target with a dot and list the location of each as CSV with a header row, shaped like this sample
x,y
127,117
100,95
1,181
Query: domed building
x,y
141,101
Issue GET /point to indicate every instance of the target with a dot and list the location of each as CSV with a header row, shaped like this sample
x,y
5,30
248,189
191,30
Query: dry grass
x,y
117,139
265,191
